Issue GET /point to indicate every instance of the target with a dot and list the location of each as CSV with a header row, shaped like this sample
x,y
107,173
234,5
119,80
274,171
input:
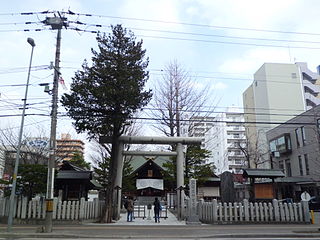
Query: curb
x,y
235,236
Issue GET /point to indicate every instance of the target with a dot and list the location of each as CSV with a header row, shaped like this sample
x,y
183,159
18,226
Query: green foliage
x,y
32,180
107,94
169,175
102,174
104,96
196,166
101,171
128,180
79,161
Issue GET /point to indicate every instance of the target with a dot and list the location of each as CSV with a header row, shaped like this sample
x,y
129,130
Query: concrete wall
x,y
275,95
311,147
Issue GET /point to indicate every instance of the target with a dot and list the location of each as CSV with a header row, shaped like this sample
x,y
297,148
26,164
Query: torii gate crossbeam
x,y
152,140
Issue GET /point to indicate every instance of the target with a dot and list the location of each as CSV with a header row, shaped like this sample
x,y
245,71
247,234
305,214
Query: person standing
x,y
157,209
129,210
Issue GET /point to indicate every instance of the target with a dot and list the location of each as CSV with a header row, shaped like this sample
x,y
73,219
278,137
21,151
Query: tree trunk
x,y
107,218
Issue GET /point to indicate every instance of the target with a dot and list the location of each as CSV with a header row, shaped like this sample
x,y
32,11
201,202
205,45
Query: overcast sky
x,y
220,42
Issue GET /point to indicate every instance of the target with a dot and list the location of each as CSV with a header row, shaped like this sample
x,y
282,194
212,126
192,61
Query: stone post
x,y
306,212
193,217
276,210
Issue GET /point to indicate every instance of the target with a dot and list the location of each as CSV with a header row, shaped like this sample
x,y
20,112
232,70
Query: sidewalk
x,y
169,228
114,231
149,220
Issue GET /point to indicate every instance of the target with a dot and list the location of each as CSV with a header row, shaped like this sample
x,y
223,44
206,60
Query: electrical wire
x,y
23,69
216,121
203,40
201,34
190,24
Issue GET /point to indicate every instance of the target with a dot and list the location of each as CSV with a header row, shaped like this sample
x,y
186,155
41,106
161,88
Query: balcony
x,y
236,154
236,136
313,87
235,129
312,98
281,145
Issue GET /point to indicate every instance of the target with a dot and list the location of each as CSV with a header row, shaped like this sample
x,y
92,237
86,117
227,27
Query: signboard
x,y
153,183
38,143
305,196
193,193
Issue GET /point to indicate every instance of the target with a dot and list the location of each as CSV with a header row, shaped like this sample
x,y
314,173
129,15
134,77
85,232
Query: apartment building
x,y
295,149
197,127
28,155
278,93
227,141
67,147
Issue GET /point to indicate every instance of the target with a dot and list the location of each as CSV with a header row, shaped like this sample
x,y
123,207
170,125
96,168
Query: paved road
x,y
166,229
276,238
109,231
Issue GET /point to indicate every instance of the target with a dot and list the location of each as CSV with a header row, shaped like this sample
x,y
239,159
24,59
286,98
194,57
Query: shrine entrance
x,y
179,141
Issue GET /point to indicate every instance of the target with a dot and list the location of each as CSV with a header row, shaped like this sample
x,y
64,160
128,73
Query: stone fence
x,y
62,210
245,212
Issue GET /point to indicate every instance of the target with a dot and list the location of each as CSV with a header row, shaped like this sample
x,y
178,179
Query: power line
x,y
223,112
26,30
18,23
190,24
205,41
30,124
201,34
69,12
26,13
216,121
190,39
27,114
23,69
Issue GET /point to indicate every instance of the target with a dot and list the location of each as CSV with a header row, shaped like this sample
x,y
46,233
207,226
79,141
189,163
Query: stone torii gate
x,y
152,140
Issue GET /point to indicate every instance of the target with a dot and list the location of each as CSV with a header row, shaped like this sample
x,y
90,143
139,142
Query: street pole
x,y
15,171
52,157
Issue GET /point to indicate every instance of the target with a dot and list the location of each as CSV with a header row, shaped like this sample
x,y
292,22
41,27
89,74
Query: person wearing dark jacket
x,y
157,209
129,209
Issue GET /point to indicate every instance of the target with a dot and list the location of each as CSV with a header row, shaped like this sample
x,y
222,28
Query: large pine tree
x,y
105,95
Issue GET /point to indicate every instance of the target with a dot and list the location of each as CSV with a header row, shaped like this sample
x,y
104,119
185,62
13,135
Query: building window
x,y
150,173
303,135
281,166
297,137
280,145
318,126
288,168
306,163
237,161
300,166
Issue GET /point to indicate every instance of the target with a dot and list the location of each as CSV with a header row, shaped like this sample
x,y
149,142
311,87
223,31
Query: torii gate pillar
x,y
151,140
180,181
118,184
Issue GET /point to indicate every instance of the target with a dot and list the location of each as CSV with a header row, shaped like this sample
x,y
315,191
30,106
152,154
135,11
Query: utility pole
x,y
16,165
55,23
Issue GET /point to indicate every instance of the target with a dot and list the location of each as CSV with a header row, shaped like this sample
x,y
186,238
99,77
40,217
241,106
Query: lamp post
x,y
15,171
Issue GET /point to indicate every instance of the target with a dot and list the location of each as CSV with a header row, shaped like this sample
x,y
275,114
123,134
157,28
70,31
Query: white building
x,y
225,139
278,93
197,127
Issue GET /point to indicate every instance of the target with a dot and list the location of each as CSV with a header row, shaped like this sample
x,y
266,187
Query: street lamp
x,y
15,171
